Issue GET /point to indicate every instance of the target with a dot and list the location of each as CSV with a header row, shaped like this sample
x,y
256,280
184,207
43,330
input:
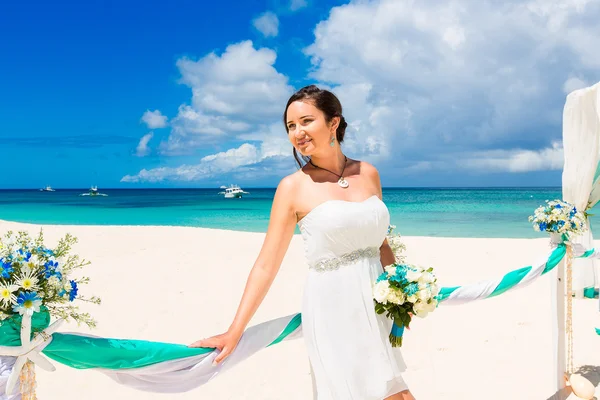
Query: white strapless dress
x,y
347,342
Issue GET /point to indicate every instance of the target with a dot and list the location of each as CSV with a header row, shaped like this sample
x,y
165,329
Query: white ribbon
x,y
29,350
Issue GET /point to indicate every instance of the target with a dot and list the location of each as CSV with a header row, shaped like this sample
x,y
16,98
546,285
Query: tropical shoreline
x,y
178,284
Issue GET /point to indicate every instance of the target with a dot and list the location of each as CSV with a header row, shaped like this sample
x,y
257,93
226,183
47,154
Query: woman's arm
x,y
279,235
386,255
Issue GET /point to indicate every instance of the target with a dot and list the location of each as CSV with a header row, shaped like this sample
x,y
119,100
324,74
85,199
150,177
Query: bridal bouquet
x,y
404,290
34,278
558,217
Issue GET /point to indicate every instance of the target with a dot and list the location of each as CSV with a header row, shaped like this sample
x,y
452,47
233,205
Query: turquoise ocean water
x,y
453,212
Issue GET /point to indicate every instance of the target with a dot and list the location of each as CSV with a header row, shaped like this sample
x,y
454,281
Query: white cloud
x,y
154,119
426,86
234,93
296,5
142,149
245,159
422,80
267,23
550,158
242,82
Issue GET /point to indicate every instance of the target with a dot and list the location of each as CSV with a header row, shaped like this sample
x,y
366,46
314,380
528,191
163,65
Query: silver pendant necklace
x,y
342,182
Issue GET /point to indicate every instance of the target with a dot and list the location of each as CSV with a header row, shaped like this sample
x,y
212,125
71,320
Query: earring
x,y
332,141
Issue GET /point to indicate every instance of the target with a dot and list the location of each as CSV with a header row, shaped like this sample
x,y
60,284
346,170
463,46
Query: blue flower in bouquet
x,y
27,303
51,268
33,276
5,268
412,289
46,252
559,217
73,292
399,275
24,255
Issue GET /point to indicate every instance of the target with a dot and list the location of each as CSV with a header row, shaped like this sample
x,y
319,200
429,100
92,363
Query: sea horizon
x,y
475,212
274,187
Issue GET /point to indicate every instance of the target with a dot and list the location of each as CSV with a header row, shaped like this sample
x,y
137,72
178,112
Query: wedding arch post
x,y
581,187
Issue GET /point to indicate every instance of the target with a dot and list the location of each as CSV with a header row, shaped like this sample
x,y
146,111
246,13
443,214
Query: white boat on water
x,y
47,189
93,192
232,192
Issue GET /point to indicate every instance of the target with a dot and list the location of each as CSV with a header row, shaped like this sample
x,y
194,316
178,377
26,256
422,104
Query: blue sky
x,y
189,94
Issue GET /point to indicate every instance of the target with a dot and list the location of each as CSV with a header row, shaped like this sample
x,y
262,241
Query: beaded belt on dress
x,y
331,264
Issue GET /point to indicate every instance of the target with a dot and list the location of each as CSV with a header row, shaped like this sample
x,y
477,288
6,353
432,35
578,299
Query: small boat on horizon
x,y
232,192
93,192
47,189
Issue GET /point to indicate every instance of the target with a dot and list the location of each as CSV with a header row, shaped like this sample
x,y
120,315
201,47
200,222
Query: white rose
x,y
396,297
412,299
381,291
426,277
420,309
424,294
390,270
412,275
432,305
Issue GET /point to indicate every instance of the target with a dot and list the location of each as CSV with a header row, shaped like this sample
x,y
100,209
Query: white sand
x,y
178,285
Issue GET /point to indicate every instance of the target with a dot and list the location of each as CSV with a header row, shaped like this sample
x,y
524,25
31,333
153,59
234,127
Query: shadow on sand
x,y
590,372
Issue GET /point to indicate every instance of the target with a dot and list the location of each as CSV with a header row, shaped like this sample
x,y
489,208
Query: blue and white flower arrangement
x,y
34,278
404,290
559,217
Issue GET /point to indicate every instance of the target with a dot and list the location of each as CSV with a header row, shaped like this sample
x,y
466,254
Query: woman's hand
x,y
225,342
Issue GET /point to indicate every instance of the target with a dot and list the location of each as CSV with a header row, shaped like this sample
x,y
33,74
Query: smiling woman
x,y
345,241
301,125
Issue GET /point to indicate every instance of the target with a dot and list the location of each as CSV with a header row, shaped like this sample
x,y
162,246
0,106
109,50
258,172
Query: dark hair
x,y
325,101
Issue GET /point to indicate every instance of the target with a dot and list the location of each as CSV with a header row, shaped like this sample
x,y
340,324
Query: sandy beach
x,y
176,284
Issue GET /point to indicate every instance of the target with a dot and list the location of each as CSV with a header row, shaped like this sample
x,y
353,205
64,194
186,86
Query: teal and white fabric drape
x,y
581,173
148,366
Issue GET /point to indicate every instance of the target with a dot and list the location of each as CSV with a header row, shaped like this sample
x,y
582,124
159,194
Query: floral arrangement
x,y
558,217
396,245
404,290
34,278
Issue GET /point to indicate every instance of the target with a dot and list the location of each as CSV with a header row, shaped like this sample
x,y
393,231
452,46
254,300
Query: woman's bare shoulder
x,y
288,186
366,169
371,174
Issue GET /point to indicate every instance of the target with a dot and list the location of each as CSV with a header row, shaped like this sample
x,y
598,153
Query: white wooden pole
x,y
558,323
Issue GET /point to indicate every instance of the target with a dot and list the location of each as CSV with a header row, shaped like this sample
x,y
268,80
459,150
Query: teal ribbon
x,y
397,331
396,335
83,352
513,278
10,328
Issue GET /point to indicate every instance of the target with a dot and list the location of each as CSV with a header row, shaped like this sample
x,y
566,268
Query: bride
x,y
336,202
